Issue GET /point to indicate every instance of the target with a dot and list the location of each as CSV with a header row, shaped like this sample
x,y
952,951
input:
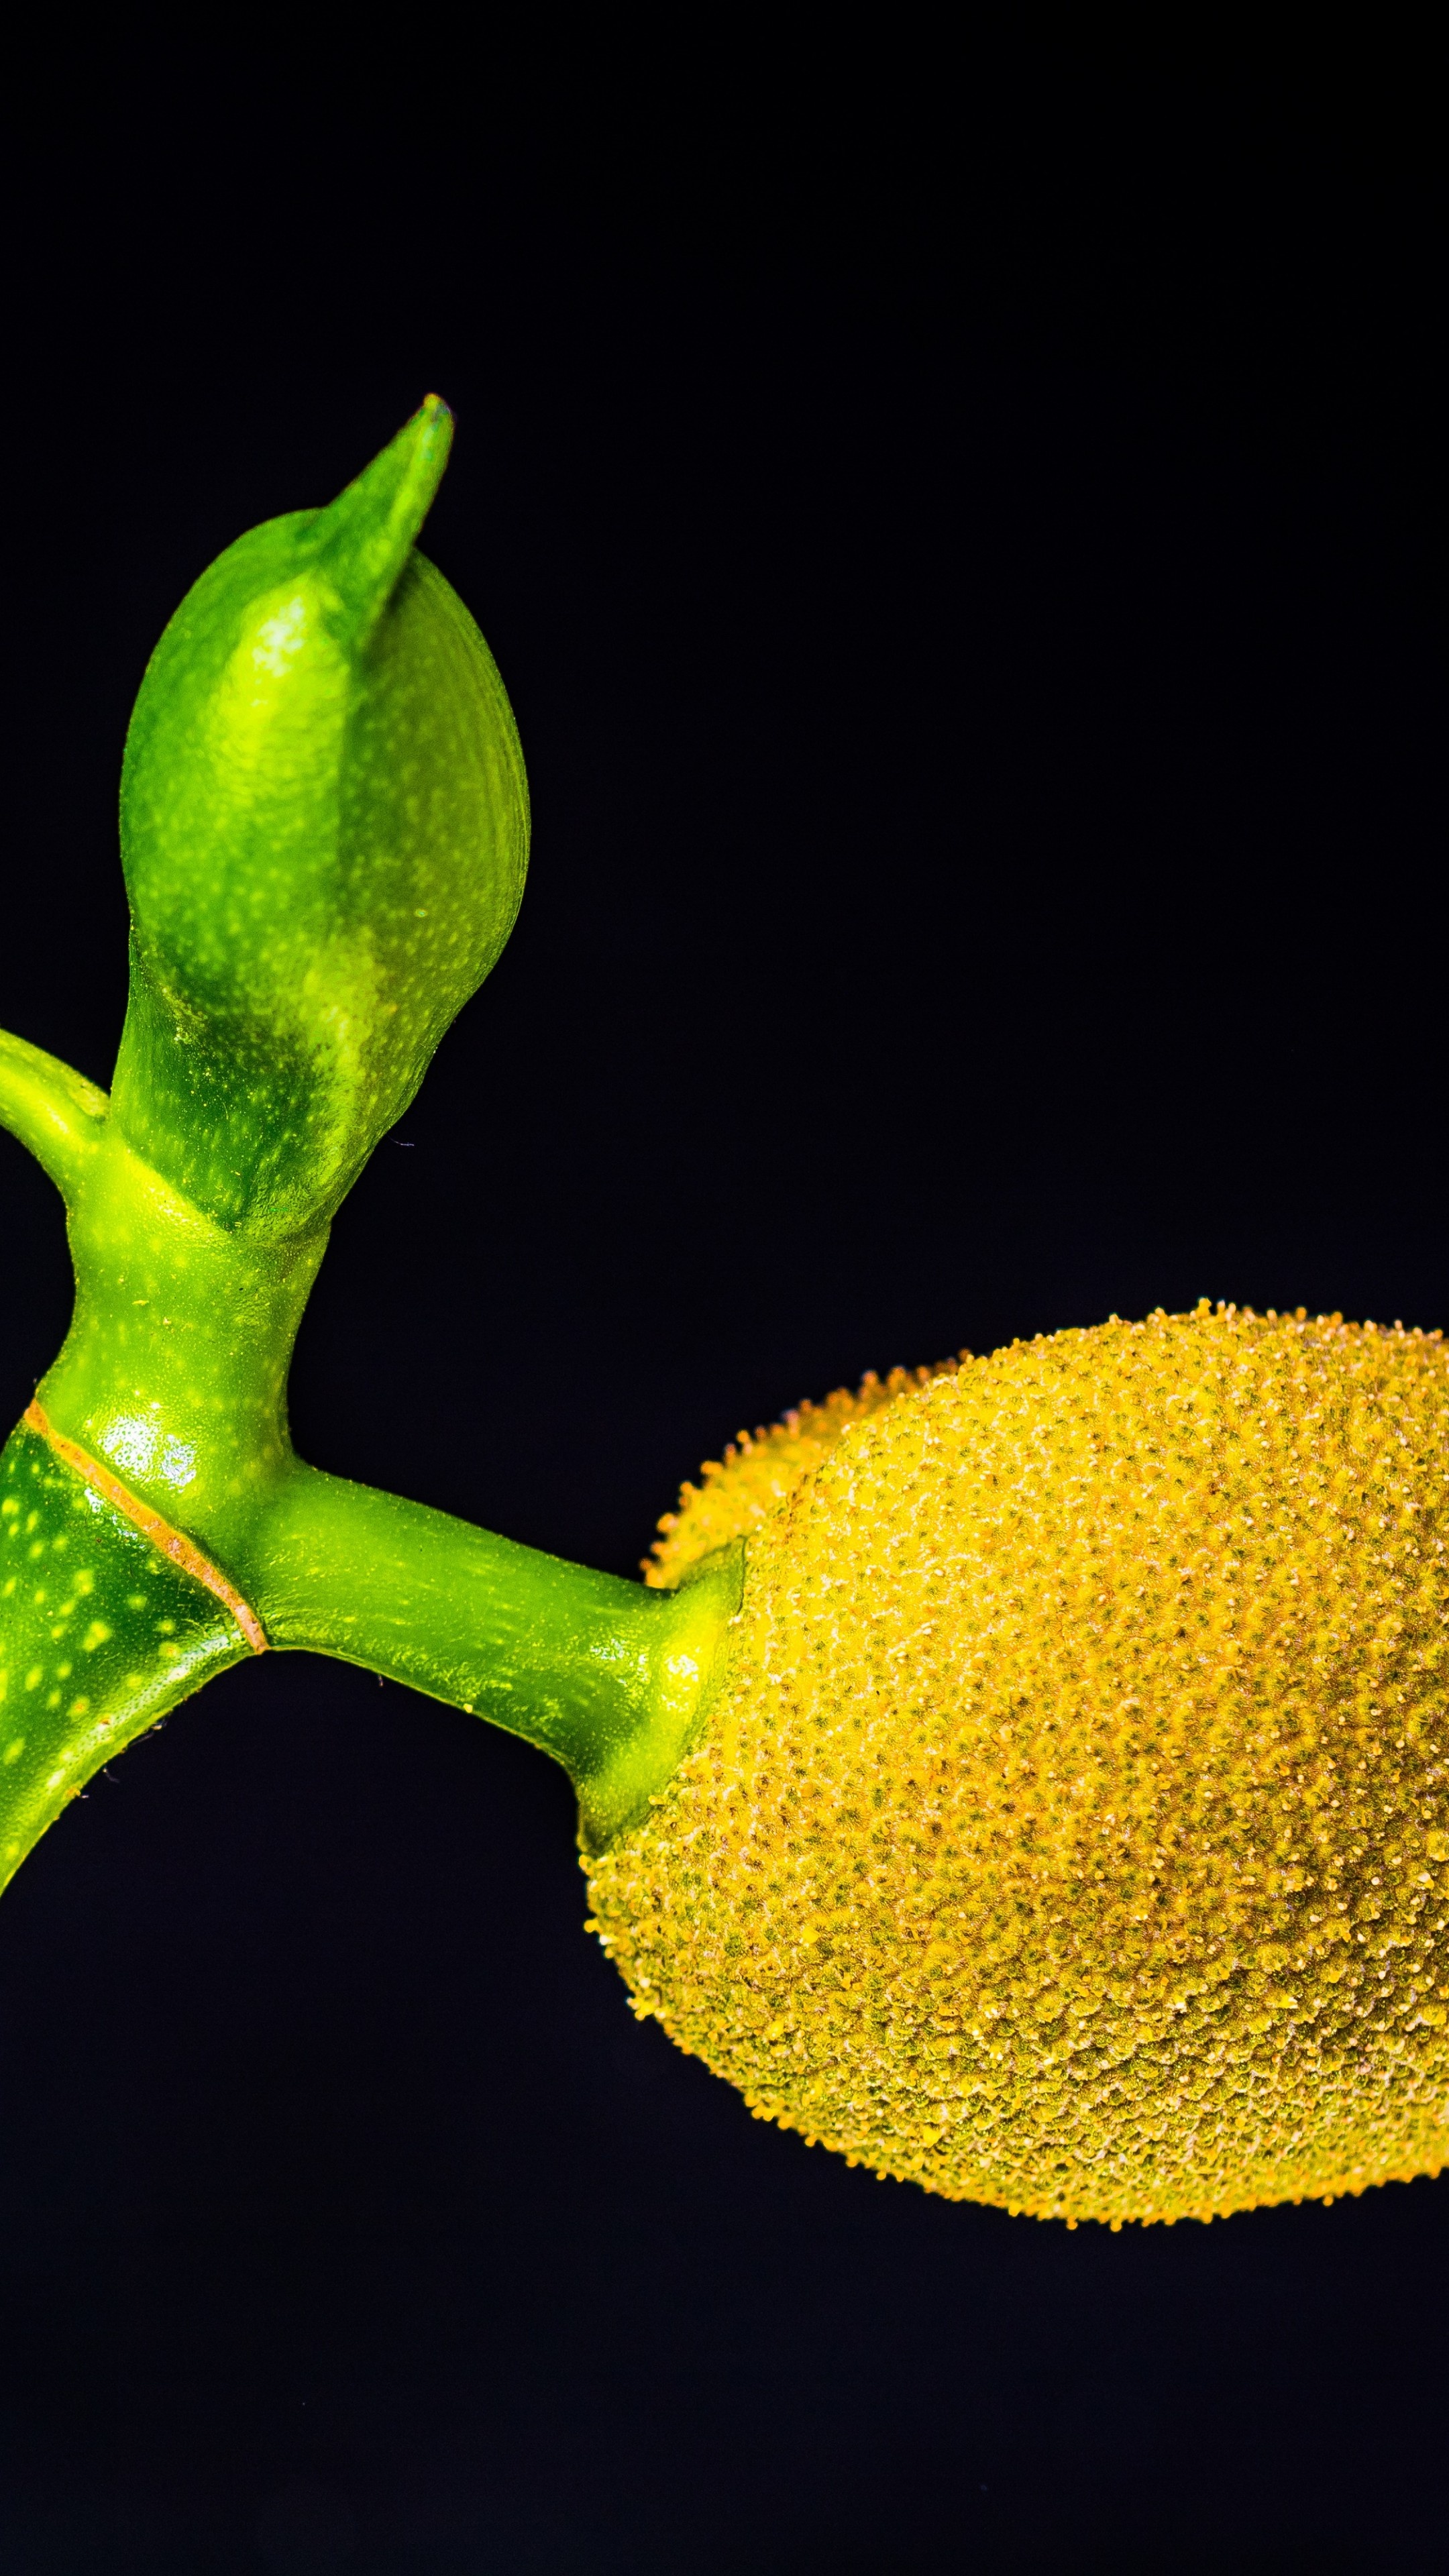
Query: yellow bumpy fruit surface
x,y
1070,1831
739,1491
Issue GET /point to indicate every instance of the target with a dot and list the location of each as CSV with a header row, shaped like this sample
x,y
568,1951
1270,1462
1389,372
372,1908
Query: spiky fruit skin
x,y
736,1494
1070,1833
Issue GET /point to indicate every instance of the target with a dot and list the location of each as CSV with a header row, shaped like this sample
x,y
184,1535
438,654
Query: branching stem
x,y
167,1404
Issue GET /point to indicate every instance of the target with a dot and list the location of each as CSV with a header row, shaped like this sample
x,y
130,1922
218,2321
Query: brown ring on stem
x,y
173,1543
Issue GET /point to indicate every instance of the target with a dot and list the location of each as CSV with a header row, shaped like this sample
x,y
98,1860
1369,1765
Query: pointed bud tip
x,y
367,534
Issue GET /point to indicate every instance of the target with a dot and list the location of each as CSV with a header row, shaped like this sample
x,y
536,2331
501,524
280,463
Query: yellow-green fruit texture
x,y
1070,1830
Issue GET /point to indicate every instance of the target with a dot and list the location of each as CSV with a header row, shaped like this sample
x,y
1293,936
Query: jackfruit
x,y
1070,1830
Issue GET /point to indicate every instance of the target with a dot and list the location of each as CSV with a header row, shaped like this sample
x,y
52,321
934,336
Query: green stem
x,y
173,1378
51,1108
605,1675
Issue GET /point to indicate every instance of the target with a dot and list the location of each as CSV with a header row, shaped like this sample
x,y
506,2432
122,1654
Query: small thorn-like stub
x,y
366,535
51,1108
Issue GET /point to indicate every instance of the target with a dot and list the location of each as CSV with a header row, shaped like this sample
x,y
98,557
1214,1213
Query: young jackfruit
x,y
1070,1832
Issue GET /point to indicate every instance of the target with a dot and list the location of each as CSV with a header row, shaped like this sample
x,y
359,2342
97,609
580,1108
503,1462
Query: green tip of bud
x,y
364,538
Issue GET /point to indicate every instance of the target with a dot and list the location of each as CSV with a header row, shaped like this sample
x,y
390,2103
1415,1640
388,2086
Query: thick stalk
x,y
607,1676
166,1412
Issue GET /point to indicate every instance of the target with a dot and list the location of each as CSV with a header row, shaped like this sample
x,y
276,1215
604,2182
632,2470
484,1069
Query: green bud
x,y
324,824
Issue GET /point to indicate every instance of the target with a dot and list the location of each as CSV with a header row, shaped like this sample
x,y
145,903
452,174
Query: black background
x,y
959,534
